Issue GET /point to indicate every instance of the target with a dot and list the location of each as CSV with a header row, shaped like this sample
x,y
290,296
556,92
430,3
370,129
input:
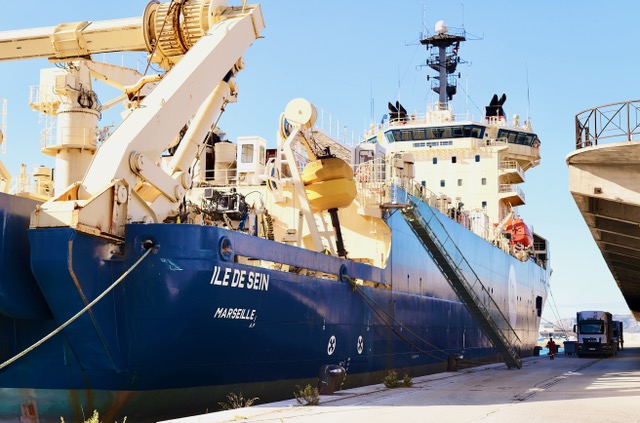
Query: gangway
x,y
454,266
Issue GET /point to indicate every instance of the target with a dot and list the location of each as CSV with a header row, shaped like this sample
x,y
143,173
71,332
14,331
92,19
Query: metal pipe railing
x,y
616,122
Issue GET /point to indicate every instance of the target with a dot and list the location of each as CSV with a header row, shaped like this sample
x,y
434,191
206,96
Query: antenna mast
x,y
528,100
443,58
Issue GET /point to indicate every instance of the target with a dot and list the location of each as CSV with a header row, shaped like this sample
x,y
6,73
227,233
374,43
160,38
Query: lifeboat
x,y
520,232
329,184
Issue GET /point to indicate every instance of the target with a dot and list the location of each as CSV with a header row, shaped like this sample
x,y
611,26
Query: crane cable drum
x,y
172,28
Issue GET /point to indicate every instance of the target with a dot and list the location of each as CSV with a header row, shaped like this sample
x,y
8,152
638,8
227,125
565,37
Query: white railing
x,y
221,177
511,188
512,166
27,184
437,117
47,134
57,137
338,130
44,99
371,180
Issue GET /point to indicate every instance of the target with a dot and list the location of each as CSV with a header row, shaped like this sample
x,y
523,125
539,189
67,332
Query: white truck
x,y
594,330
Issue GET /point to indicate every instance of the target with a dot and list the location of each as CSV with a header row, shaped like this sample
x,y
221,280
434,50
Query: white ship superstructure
x,y
472,170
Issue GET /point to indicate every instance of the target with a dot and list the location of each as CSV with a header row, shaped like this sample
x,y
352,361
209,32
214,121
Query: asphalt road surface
x,y
566,389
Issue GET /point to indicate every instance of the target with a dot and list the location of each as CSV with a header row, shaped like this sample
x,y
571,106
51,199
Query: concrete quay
x,y
564,390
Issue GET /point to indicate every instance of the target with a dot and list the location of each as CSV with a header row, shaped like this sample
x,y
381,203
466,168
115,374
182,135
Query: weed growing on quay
x,y
307,396
391,380
237,401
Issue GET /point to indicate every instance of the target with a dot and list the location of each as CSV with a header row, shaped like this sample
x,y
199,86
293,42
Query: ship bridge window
x,y
515,137
433,133
389,136
477,132
446,132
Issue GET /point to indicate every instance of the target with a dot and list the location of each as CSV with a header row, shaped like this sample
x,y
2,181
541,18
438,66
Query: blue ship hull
x,y
189,324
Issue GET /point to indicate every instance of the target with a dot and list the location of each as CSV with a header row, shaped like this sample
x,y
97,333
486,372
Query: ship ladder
x,y
473,294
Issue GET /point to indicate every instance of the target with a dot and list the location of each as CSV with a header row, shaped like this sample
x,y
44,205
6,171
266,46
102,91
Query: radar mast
x,y
443,58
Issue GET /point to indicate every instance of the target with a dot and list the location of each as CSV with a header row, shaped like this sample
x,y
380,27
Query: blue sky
x,y
566,55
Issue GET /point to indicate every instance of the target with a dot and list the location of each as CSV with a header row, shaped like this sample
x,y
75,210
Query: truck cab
x,y
594,330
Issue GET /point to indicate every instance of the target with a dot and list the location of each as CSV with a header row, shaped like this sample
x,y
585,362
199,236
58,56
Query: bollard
x,y
330,378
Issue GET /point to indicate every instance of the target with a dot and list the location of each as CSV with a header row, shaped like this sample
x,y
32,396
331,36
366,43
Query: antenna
x,y
424,21
526,66
466,92
398,93
372,103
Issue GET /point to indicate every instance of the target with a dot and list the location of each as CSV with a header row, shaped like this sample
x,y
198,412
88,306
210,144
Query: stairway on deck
x,y
471,294
323,141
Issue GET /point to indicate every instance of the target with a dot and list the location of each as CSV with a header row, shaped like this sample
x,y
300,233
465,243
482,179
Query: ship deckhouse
x,y
474,167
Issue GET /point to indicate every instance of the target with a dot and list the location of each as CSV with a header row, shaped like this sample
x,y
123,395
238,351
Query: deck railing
x,y
616,122
511,188
338,130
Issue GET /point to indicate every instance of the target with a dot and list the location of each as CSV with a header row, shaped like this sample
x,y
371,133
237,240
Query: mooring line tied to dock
x,y
78,314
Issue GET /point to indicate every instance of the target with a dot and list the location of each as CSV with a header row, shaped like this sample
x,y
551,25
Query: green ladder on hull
x,y
474,295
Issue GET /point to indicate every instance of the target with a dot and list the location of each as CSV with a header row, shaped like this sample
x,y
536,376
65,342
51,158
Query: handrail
x,y
510,165
615,122
336,129
508,188
502,334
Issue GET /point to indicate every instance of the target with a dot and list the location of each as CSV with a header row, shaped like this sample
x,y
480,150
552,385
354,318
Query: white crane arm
x,y
73,40
166,31
129,157
149,129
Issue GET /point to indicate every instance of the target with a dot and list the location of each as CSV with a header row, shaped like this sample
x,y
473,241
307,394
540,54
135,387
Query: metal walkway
x,y
473,294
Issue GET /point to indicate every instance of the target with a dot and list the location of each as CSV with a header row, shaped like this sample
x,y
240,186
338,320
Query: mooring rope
x,y
78,314
377,309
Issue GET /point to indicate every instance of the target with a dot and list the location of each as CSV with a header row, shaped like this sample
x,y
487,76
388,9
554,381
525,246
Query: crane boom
x,y
73,40
125,182
165,30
